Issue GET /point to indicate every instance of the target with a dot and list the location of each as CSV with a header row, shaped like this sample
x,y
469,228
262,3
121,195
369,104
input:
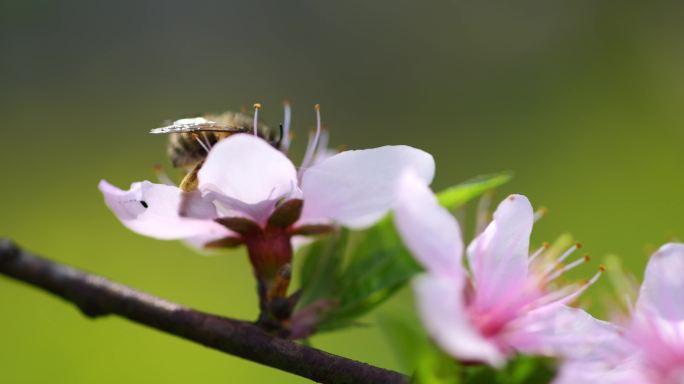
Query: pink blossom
x,y
244,177
505,302
249,193
654,337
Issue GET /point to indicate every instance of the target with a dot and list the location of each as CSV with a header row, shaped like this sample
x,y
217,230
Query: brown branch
x,y
97,296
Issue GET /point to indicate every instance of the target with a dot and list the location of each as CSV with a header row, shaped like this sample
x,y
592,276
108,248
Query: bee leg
x,y
190,182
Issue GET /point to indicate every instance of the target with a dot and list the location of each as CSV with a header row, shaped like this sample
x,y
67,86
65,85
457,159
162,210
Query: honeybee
x,y
191,139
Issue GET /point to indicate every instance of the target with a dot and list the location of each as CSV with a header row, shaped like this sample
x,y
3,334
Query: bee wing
x,y
198,124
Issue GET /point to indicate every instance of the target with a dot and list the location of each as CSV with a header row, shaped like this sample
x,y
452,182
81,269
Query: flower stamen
x,y
257,106
287,112
540,213
162,176
584,259
317,107
596,276
313,140
545,246
562,257
574,294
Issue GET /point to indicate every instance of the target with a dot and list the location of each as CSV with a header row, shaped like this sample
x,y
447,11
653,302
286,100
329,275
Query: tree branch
x,y
97,296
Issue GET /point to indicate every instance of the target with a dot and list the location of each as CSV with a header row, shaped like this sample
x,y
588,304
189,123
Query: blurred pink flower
x,y
657,328
505,304
654,338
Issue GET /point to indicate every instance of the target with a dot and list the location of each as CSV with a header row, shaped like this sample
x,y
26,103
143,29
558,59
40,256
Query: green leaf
x,y
522,369
438,368
529,369
376,268
460,194
435,367
320,269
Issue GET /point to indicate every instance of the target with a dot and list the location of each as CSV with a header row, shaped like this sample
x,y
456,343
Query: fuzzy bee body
x,y
185,149
190,139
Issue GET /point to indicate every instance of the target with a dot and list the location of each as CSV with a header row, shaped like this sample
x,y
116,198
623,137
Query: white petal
x,y
246,168
428,230
357,188
498,257
152,210
444,315
663,287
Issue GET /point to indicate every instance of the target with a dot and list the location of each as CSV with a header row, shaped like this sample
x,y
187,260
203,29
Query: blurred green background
x,y
581,99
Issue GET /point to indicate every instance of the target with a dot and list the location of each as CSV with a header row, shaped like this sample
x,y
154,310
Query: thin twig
x,y
97,296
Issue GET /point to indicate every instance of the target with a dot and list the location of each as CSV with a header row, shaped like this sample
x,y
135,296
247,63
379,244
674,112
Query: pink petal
x,y
247,169
428,230
663,287
594,372
567,332
444,315
193,206
498,256
357,188
231,207
152,210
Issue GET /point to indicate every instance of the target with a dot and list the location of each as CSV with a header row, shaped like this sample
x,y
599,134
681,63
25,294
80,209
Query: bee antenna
x,y
257,106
